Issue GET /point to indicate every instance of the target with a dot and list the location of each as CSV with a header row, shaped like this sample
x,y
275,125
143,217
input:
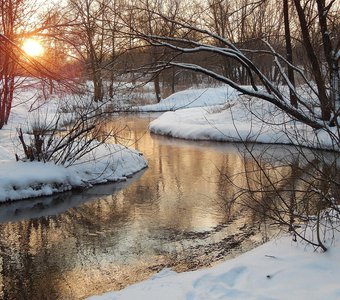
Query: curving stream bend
x,y
74,245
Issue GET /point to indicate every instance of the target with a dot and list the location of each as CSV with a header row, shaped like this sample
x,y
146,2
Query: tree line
x,y
170,42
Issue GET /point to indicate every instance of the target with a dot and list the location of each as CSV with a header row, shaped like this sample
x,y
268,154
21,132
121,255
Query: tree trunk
x,y
98,89
329,54
324,100
154,60
113,56
157,88
173,80
289,53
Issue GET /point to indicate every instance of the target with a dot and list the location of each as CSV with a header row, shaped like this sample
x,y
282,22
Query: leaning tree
x,y
314,20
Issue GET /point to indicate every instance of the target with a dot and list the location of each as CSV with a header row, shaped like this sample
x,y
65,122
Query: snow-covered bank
x,y
237,120
20,180
280,269
224,124
193,98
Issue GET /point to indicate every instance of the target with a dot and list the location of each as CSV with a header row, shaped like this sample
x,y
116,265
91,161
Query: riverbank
x,y
280,269
21,180
231,118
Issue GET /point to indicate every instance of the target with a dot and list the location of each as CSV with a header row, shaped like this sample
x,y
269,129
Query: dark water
x,y
74,245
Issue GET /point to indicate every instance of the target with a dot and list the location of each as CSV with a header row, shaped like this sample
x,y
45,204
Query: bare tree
x,y
89,39
146,17
8,57
112,19
15,65
81,132
289,52
322,94
261,84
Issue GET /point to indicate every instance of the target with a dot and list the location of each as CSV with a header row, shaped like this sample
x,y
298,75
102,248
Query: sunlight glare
x,y
32,48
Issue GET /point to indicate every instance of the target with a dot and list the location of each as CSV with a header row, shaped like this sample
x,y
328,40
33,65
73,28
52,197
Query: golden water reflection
x,y
75,245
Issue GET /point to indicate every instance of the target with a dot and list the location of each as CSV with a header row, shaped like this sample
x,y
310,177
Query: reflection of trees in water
x,y
26,265
175,171
289,190
230,169
36,253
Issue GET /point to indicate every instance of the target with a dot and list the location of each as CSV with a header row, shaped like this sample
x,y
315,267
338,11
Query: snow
x,y
337,55
239,119
20,180
279,269
193,98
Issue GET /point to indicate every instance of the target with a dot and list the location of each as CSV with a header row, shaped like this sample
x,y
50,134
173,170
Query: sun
x,y
33,48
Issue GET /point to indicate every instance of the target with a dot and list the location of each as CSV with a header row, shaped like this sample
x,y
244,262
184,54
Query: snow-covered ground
x,y
193,98
220,114
19,180
279,269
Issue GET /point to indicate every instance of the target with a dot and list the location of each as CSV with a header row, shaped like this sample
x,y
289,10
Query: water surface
x,y
77,244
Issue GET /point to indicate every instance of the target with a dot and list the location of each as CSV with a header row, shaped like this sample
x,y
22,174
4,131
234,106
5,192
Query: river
x,y
172,214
